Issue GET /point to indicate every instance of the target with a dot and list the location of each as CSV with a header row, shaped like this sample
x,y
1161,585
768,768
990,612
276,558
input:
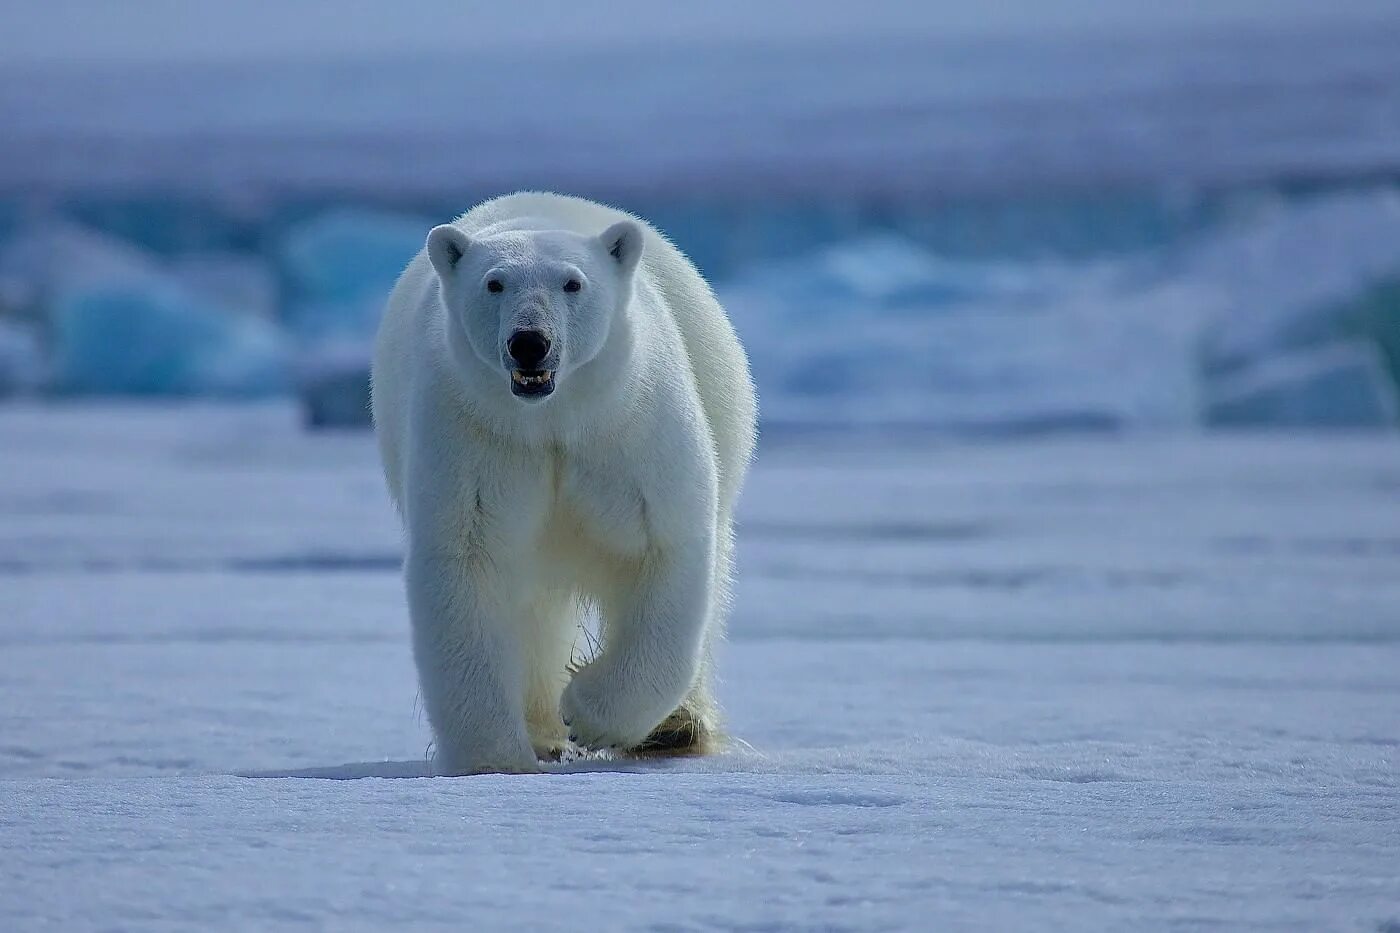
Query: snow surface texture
x,y
1055,684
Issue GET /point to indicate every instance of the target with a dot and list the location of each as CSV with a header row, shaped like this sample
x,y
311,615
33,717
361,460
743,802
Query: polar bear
x,y
565,416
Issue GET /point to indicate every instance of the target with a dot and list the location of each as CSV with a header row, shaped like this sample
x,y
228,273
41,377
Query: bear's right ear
x,y
446,246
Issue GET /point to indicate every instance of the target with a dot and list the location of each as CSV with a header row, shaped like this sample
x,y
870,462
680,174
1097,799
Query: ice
x,y
883,331
237,282
879,328
886,272
48,257
333,382
21,358
1306,321
1068,683
1289,270
1374,315
339,267
1345,385
117,320
154,339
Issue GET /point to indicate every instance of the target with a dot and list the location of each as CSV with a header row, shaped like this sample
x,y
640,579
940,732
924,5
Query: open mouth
x,y
531,383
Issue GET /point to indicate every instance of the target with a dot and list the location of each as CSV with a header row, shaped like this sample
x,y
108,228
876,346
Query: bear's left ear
x,y
623,242
446,246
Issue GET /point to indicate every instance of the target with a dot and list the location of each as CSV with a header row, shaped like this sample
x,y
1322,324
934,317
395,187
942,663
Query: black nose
x,y
528,348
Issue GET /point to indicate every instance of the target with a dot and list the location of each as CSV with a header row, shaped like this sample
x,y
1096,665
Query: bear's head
x,y
534,306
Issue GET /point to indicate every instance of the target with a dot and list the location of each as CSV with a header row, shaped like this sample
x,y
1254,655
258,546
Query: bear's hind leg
x,y
695,727
692,729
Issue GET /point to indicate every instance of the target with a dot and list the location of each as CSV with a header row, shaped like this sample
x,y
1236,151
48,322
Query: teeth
x,y
524,380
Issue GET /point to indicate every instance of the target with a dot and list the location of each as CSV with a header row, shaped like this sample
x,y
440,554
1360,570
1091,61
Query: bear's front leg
x,y
469,666
652,645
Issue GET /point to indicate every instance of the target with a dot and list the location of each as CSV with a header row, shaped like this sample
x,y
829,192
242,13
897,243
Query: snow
x,y
923,112
144,31
1060,683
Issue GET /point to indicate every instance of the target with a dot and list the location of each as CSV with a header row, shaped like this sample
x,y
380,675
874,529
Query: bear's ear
x,y
446,246
623,242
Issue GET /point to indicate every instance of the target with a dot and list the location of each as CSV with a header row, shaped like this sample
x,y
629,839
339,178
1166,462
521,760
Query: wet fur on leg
x,y
681,734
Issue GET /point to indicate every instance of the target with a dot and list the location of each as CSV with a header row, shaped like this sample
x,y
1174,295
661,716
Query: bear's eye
x,y
572,285
494,286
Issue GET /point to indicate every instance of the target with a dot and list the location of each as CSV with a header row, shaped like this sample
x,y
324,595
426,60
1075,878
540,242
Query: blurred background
x,y
1068,216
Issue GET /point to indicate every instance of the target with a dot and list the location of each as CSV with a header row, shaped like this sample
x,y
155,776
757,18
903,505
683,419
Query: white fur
x,y
617,490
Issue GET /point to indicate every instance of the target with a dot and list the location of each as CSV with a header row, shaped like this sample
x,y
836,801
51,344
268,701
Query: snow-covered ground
x,y
1130,683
